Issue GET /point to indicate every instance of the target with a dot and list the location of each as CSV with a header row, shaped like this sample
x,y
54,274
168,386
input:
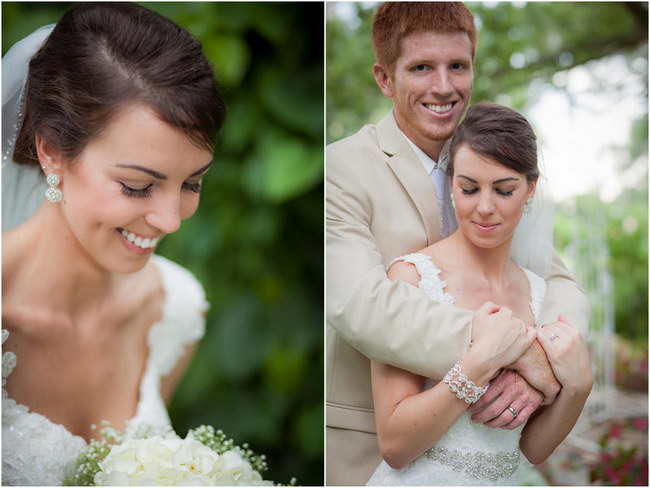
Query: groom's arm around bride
x,y
381,204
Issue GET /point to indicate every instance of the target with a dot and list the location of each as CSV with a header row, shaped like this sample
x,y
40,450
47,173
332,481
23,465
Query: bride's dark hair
x,y
499,134
101,57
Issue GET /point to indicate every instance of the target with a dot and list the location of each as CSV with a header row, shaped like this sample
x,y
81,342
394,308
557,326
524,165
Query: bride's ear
x,y
531,188
48,156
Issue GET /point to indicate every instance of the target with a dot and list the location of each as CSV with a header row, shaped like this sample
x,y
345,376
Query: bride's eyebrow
x,y
149,171
202,170
159,175
502,180
467,178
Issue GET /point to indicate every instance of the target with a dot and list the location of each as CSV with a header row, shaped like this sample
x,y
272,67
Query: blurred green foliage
x,y
521,47
625,232
256,242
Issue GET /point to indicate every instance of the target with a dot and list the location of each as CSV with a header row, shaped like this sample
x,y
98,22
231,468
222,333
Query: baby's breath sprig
x,y
219,442
88,460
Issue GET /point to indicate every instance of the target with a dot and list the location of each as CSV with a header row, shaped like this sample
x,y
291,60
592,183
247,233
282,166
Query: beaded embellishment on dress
x,y
477,464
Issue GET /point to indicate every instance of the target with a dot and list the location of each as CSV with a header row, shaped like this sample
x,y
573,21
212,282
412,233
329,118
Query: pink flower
x,y
612,475
640,423
615,431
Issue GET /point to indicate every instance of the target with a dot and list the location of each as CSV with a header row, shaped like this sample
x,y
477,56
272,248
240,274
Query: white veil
x,y
532,245
23,186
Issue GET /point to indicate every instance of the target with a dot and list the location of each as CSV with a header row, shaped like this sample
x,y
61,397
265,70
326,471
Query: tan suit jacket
x,y
381,204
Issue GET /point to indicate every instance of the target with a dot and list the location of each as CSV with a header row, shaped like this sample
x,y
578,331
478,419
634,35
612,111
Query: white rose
x,y
173,461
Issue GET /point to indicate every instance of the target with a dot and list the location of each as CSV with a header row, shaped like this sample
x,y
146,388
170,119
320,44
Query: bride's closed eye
x,y
136,192
192,186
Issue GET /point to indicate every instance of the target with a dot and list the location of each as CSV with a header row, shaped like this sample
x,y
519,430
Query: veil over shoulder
x,y
22,186
532,245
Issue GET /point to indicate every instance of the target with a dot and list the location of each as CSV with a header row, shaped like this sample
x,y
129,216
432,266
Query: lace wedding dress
x,y
36,451
468,454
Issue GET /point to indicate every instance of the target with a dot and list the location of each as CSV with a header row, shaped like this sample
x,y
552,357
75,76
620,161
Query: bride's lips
x,y
137,243
485,227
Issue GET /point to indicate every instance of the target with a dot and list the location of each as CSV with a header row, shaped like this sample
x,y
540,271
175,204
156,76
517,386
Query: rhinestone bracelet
x,y
462,387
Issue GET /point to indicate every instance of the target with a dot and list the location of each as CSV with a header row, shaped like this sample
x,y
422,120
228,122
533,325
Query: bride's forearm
x,y
409,420
417,424
547,430
536,370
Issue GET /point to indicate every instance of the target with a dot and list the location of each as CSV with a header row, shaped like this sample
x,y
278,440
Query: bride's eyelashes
x,y
135,192
194,187
472,191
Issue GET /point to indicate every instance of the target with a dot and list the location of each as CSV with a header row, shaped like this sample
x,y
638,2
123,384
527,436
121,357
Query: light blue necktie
x,y
439,179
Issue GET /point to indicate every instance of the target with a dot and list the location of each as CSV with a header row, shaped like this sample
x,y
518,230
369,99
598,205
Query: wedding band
x,y
514,412
552,337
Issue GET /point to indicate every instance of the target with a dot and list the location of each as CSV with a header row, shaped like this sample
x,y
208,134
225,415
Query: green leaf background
x,y
256,242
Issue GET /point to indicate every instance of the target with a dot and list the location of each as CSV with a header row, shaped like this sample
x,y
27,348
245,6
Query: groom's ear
x,y
383,80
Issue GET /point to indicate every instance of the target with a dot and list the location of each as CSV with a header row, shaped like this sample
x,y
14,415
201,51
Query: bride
x,y
426,436
113,121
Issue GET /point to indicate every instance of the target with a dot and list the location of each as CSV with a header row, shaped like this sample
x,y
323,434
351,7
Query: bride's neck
x,y
490,264
56,264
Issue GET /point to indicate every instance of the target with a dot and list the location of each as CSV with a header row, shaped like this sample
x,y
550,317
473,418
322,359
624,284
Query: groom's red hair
x,y
394,21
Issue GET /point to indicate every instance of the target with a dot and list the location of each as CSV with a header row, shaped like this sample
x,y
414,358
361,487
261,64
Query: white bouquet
x,y
203,458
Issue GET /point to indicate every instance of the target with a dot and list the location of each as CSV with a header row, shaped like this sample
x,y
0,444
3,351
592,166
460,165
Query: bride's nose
x,y
486,204
165,213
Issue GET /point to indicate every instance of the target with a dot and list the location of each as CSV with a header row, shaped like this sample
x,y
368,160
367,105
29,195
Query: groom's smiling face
x,y
430,85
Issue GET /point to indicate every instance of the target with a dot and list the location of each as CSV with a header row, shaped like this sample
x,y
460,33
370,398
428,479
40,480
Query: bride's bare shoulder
x,y
404,271
15,250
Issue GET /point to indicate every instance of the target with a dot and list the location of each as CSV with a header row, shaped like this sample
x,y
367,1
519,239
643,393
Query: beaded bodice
x,y
468,453
36,451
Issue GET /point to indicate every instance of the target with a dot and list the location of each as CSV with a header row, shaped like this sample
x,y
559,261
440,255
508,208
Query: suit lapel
x,y
409,171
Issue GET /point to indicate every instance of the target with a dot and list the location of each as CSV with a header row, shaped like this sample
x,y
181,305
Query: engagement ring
x,y
552,337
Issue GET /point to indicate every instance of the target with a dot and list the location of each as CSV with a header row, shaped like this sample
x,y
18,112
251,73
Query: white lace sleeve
x,y
183,316
430,283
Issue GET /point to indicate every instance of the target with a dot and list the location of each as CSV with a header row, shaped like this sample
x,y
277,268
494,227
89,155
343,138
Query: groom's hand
x,y
536,370
508,389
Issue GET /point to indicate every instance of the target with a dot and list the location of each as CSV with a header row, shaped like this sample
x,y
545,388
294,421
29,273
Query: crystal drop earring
x,y
53,194
528,207
453,200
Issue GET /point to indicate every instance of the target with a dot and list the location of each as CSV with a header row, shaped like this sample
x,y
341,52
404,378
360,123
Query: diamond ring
x,y
552,337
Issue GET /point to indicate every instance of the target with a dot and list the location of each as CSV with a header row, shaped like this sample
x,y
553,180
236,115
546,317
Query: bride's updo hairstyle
x,y
499,134
101,57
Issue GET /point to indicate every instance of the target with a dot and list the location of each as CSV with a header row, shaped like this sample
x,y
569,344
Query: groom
x,y
387,195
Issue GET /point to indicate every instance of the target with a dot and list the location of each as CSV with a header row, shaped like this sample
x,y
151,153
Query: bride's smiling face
x,y
130,187
489,198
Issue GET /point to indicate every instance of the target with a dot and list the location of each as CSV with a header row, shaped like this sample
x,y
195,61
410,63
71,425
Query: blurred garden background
x,y
256,242
579,73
